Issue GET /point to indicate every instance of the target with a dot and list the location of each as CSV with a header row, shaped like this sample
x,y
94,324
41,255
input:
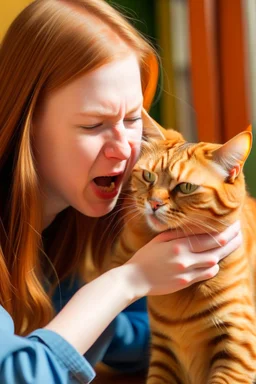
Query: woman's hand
x,y
171,262
166,264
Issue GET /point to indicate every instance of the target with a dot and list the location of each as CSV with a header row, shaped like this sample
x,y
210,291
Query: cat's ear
x,y
151,128
233,154
154,130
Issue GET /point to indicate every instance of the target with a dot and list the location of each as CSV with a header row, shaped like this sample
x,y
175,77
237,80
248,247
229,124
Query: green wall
x,y
250,168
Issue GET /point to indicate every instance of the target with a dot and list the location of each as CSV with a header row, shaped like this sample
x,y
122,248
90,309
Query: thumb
x,y
169,235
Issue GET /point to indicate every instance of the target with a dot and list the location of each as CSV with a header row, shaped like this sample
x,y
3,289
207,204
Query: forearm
x,y
93,307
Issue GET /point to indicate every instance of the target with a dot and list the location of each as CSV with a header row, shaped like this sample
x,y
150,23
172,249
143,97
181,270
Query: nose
x,y
118,145
156,204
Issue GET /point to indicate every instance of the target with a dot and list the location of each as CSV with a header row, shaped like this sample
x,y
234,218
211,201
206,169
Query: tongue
x,y
103,181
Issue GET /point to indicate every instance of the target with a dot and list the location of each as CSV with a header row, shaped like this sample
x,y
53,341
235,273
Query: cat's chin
x,y
155,224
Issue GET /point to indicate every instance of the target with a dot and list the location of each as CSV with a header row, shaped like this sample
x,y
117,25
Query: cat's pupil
x,y
148,176
187,188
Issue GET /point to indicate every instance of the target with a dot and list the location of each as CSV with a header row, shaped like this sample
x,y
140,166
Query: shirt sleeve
x,y
41,357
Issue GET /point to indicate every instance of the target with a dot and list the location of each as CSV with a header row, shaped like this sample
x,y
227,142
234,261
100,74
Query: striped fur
x,y
204,334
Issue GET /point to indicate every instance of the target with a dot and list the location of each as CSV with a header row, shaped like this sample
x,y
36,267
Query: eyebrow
x,y
96,113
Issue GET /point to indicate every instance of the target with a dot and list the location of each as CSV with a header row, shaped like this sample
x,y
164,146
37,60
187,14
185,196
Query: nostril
x,y
155,204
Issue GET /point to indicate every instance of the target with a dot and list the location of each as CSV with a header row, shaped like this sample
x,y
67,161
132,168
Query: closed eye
x,y
129,120
133,119
90,126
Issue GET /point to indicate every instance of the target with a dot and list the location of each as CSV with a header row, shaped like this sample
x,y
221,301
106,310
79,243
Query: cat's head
x,y
192,186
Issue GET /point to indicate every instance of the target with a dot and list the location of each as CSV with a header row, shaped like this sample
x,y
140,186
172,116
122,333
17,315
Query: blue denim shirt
x,y
45,357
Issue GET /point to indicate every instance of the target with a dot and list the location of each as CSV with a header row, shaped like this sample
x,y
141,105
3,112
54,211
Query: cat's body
x,y
207,322
204,334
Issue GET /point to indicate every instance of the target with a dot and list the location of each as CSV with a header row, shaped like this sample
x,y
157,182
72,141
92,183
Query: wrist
x,y
130,281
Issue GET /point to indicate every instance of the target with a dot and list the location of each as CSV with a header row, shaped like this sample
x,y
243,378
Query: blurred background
x,y
207,87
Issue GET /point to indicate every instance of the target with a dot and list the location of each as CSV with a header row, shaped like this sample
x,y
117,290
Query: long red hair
x,y
49,44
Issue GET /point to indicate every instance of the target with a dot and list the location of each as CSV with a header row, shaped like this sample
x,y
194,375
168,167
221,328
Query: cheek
x,y
135,154
86,150
135,143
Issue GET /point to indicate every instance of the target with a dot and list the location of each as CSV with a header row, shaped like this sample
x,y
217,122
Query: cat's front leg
x,y
235,362
163,368
221,377
159,375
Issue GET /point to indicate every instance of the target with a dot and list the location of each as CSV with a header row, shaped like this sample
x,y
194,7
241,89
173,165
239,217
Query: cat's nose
x,y
156,204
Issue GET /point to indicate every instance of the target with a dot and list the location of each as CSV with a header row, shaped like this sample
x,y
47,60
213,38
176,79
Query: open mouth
x,y
107,183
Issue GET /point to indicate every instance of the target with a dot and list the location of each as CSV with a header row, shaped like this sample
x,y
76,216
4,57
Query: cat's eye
x,y
148,176
186,188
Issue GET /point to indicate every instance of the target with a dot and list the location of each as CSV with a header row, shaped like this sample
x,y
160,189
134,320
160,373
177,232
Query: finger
x,y
205,242
214,256
195,276
202,274
231,246
207,260
169,235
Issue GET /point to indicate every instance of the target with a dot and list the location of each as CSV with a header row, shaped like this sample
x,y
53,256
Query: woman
x,y
74,76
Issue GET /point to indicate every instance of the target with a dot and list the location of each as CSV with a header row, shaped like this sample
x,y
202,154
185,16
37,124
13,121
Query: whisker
x,y
203,225
122,207
203,228
120,219
211,218
185,234
132,218
113,217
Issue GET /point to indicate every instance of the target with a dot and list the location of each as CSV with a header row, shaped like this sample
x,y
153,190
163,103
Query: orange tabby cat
x,y
204,334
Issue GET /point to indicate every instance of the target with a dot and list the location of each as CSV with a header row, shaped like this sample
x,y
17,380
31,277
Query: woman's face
x,y
87,139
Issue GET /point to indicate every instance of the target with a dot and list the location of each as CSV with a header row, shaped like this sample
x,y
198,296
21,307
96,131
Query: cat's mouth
x,y
108,183
156,223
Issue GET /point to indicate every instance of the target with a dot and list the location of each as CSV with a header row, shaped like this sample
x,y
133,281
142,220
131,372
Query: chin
x,y
99,210
155,224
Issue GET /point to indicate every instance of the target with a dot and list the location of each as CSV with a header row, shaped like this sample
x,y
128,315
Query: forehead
x,y
120,78
184,162
164,155
101,91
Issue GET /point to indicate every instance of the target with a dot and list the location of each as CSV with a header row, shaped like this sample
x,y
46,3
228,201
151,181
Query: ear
x,y
233,154
150,127
154,130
